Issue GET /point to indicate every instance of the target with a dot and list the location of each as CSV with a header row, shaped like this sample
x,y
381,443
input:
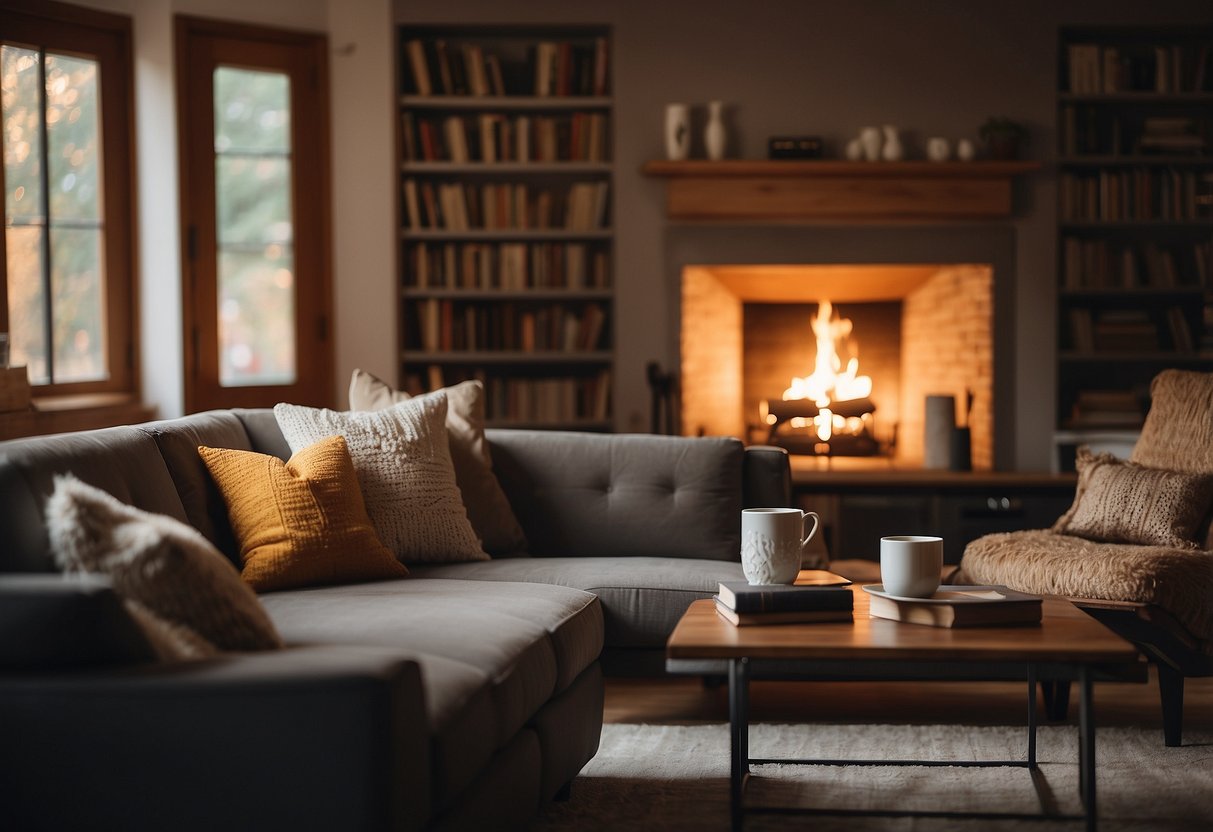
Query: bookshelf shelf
x,y
506,184
1135,218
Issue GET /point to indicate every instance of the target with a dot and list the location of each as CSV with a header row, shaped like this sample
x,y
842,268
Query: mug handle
x,y
816,523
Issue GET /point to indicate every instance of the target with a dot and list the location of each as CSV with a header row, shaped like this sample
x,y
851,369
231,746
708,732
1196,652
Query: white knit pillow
x,y
404,467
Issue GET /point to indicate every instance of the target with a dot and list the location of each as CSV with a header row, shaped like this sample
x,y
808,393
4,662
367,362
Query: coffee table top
x,y
1065,634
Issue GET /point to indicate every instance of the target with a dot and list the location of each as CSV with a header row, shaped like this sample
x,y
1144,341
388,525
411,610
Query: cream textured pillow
x,y
161,567
1122,502
404,467
487,507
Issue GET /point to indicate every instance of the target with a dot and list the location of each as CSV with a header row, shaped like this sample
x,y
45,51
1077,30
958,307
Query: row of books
x,y
1107,409
1095,69
554,399
1092,130
1137,194
553,68
506,266
445,325
1101,264
456,206
494,137
816,597
1129,330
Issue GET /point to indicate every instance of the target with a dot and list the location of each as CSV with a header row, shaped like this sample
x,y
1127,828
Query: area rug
x,y
676,777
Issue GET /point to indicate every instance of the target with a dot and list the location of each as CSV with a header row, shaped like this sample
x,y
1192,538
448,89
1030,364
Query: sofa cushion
x,y
488,509
160,564
642,598
404,469
300,522
491,653
1120,502
1045,563
623,496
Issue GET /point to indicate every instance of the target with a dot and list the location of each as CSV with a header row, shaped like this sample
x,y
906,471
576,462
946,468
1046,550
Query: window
x,y
254,126
66,270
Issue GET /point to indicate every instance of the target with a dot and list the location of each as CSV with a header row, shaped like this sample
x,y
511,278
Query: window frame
x,y
107,38
215,43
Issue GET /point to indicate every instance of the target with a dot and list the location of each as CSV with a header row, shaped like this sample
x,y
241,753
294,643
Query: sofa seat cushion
x,y
1179,581
642,597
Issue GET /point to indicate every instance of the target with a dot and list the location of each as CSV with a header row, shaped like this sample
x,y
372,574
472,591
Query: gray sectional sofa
x,y
462,697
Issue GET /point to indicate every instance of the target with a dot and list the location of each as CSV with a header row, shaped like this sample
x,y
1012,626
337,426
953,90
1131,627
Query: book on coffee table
x,y
958,606
740,596
746,619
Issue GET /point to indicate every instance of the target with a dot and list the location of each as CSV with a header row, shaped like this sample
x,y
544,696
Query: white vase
x,y
677,132
965,150
869,140
938,149
714,138
892,150
854,150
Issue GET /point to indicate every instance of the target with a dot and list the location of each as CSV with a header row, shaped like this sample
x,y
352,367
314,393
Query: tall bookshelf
x,y
506,198
1135,219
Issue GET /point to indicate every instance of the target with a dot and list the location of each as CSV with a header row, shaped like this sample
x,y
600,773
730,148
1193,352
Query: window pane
x,y
22,134
78,304
255,228
26,301
73,138
256,317
252,110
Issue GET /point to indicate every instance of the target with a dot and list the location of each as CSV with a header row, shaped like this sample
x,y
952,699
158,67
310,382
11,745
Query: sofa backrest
x,y
610,495
124,461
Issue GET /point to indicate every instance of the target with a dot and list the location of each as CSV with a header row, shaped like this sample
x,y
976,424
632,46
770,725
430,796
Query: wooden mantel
x,y
828,190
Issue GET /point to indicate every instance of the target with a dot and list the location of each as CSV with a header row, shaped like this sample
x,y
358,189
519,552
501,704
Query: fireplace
x,y
837,360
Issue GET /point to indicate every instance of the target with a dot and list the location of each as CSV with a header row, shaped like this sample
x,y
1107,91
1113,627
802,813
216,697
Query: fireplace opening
x,y
834,361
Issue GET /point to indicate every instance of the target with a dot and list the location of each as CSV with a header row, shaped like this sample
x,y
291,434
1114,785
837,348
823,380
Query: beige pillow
x,y
1122,502
487,506
403,462
175,582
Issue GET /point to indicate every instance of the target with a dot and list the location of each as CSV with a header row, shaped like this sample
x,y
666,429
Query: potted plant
x,y
1003,137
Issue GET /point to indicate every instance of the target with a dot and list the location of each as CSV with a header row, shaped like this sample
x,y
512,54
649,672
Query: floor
x,y
676,700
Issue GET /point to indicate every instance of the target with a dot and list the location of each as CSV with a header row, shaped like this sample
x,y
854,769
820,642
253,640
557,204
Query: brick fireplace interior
x,y
915,330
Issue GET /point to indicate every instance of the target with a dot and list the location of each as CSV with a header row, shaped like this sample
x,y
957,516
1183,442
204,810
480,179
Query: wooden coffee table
x,y
1067,646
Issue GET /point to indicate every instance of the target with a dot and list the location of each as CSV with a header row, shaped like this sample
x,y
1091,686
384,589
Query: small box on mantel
x,y
14,389
794,147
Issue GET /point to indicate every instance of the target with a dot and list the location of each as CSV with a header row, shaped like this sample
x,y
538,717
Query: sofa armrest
x,y
303,738
766,477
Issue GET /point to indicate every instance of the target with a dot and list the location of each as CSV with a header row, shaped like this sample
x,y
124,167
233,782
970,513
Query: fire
x,y
829,382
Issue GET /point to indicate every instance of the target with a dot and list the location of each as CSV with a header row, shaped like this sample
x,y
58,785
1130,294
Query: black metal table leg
x,y
739,738
1086,750
1031,716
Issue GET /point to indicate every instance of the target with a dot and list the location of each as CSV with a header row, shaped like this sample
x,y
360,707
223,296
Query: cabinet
x,y
1135,213
506,259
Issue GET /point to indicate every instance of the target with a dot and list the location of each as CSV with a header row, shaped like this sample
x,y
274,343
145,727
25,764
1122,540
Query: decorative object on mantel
x,y
938,149
966,151
677,132
714,138
854,150
938,425
869,139
797,147
1003,137
892,150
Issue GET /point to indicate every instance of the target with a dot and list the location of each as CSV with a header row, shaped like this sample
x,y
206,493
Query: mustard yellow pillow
x,y
301,522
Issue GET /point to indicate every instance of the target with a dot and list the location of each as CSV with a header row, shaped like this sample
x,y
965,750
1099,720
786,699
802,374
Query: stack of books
x,y
743,604
958,606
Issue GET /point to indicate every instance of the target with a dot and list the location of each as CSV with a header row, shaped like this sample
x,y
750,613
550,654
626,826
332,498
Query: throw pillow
x,y
302,522
1122,502
487,506
161,565
404,467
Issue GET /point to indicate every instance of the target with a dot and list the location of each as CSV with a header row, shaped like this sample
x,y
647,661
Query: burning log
x,y
784,411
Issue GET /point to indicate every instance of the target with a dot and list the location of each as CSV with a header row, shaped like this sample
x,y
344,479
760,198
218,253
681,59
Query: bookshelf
x,y
505,149
1135,219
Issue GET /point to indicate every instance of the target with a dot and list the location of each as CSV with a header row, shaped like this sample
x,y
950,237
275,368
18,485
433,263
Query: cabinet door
x,y
864,519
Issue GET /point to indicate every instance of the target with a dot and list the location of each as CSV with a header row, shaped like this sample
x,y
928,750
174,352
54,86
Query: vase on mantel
x,y
891,151
714,138
677,132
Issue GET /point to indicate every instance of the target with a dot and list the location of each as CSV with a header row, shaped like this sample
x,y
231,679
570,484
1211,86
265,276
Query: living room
x,y
781,68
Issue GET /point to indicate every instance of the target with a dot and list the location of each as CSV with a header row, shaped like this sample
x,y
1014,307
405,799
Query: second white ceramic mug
x,y
773,541
910,565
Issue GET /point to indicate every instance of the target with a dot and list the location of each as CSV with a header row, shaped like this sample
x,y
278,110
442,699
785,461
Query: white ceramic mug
x,y
773,541
910,565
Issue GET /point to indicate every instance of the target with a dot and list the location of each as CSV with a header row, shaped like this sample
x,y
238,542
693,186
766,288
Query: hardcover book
x,y
740,596
959,606
745,619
